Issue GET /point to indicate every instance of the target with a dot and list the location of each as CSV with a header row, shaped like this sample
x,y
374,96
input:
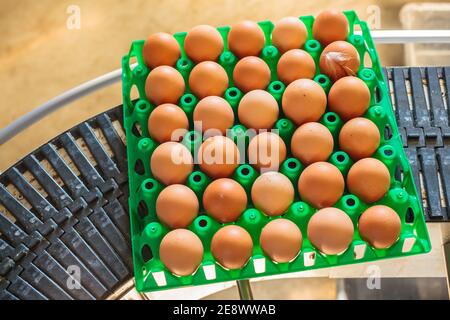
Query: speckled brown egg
x,y
266,151
246,38
171,163
349,97
218,156
359,137
161,49
164,84
321,184
304,101
224,199
312,142
339,59
330,26
380,226
258,109
212,114
289,33
295,64
177,206
281,240
232,246
272,193
181,251
203,43
208,78
330,230
175,122
251,73
368,179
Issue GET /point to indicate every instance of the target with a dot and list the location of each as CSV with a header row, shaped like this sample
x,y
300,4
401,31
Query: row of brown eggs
x,y
330,230
320,184
205,43
218,156
303,101
165,84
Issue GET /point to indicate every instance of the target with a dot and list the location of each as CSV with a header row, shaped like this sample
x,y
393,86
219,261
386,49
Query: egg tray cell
x,y
147,232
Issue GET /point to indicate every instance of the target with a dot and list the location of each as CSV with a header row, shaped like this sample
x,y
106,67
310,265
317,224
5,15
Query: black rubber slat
x,y
43,283
102,249
39,203
73,183
420,107
27,219
429,173
58,195
106,164
60,276
61,253
77,244
443,157
87,170
25,291
114,141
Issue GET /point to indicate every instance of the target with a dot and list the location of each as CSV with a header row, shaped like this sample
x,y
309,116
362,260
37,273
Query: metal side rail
x,y
64,207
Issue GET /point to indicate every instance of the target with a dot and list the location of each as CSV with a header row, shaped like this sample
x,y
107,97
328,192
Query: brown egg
x,y
171,163
330,26
246,38
349,97
164,84
359,137
161,49
379,226
266,151
251,73
304,101
218,157
321,184
232,246
208,78
213,112
224,199
312,142
177,206
281,240
203,43
339,59
295,64
289,33
272,193
174,119
330,230
181,251
258,109
368,179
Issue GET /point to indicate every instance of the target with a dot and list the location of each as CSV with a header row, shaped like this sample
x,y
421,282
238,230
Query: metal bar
x,y
59,101
245,290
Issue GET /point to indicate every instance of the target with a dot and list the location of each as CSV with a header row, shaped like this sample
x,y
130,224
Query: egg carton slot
x,y
147,229
37,249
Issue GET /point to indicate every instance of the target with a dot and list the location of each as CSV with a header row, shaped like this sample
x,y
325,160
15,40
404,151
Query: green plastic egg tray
x,y
147,231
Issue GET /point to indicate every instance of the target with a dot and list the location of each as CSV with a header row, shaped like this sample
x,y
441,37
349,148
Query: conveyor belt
x,y
65,204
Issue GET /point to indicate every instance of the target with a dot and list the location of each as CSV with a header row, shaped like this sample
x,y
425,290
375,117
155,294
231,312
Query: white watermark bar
x,y
17,126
